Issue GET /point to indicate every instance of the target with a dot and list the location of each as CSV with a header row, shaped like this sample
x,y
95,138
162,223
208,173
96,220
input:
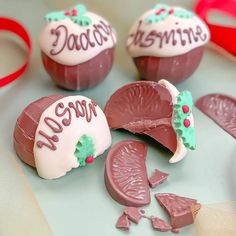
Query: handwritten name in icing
x,y
91,37
80,109
145,39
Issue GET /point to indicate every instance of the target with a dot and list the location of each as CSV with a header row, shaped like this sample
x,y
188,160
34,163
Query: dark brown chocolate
x,y
26,125
157,178
125,173
221,109
179,208
174,69
160,225
123,223
81,76
143,107
133,214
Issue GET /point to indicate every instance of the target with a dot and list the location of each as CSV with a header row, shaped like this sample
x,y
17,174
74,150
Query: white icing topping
x,y
58,37
158,39
181,150
53,164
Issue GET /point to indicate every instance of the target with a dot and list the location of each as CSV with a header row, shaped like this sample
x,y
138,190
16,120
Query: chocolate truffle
x,y
77,48
158,110
125,173
167,43
58,133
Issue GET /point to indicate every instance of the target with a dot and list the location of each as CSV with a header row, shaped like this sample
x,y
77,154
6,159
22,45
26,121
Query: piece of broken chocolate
x,y
221,109
179,208
160,225
125,173
123,223
157,178
133,214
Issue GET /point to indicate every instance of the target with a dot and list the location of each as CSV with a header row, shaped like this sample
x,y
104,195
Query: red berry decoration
x,y
89,159
171,11
187,123
185,109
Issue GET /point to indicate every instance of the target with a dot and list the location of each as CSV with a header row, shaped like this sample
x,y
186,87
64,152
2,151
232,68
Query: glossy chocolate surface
x,y
26,125
221,109
125,173
174,69
143,107
81,76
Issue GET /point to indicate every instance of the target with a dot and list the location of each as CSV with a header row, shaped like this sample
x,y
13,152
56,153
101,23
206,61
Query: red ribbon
x,y
223,36
7,24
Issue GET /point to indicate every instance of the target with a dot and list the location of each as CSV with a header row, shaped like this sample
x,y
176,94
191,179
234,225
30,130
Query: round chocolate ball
x,y
167,43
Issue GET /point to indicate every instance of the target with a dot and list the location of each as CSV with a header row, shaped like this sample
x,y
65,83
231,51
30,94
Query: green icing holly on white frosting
x,y
182,123
76,14
162,11
84,149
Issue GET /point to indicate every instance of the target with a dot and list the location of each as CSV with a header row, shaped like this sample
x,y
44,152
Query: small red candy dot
x,y
157,13
74,12
185,109
186,123
67,13
171,11
89,159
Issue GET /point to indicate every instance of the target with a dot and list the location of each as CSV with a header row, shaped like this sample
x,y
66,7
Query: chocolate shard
x,y
221,109
160,225
179,208
133,214
125,173
157,178
123,223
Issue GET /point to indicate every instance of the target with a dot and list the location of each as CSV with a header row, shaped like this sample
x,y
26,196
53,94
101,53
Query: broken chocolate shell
x,y
157,110
133,214
160,225
221,109
123,223
178,208
125,173
157,178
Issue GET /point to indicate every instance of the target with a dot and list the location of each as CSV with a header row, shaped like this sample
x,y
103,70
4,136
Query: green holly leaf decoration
x,y
182,110
162,11
75,14
182,13
84,148
161,6
82,20
55,16
81,9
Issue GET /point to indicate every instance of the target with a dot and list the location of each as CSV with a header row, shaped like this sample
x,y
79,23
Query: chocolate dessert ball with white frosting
x,y
77,48
167,43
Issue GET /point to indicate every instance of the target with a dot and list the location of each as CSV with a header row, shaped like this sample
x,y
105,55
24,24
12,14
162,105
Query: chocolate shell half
x,y
125,173
143,107
26,125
